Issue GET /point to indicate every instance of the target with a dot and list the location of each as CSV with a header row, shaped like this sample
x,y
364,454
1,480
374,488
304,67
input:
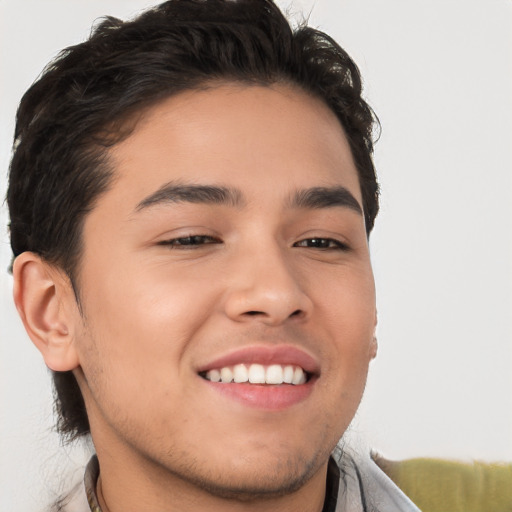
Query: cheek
x,y
155,303
347,302
347,312
142,328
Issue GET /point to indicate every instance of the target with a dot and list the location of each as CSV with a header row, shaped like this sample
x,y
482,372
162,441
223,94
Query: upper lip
x,y
265,355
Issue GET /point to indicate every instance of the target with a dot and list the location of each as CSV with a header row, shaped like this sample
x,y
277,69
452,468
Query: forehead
x,y
254,138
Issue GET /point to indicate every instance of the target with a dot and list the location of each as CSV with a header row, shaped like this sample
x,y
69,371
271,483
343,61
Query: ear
x,y
42,295
374,344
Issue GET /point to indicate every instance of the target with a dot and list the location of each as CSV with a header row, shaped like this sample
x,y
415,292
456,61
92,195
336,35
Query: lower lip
x,y
261,396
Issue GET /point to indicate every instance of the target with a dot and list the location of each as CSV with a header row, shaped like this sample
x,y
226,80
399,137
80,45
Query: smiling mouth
x,y
273,374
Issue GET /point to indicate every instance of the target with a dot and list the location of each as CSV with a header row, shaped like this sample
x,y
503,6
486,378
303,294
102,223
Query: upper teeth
x,y
258,374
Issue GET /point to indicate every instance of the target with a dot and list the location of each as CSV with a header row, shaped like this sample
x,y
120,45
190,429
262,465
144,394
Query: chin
x,y
254,477
254,484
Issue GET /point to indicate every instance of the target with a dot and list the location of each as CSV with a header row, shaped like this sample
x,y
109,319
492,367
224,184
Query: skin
x,y
154,311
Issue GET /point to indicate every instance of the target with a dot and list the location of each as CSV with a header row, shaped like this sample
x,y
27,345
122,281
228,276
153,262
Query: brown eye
x,y
322,243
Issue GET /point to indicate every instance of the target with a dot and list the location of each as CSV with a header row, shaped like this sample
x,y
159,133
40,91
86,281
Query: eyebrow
x,y
312,198
204,194
325,197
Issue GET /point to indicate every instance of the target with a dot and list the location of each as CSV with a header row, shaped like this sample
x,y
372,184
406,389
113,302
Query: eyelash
x,y
194,241
190,241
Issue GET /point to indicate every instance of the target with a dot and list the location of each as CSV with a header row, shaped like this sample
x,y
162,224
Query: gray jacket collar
x,y
364,487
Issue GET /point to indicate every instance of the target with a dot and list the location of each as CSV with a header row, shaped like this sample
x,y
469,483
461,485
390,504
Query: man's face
x,y
229,243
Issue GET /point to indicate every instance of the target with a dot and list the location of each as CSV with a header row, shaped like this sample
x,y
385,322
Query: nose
x,y
265,287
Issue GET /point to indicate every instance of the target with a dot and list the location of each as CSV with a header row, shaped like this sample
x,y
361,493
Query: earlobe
x,y
40,295
374,345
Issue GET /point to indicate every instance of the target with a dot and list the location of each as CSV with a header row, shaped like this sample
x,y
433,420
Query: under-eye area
x,y
274,374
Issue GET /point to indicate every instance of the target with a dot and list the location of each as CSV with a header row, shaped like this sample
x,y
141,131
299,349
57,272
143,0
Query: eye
x,y
190,241
322,243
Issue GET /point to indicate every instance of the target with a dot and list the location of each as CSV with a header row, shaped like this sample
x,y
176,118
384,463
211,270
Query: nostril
x,y
297,312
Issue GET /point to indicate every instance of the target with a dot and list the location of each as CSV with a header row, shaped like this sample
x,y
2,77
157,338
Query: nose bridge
x,y
266,286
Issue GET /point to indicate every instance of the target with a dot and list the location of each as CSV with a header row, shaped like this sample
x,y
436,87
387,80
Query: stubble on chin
x,y
273,481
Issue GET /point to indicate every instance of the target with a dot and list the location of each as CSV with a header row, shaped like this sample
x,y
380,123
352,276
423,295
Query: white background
x,y
439,75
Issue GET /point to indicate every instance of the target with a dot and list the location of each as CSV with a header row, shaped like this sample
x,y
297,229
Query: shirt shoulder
x,y
365,487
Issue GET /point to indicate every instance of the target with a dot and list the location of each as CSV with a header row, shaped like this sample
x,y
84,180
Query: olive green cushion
x,y
443,486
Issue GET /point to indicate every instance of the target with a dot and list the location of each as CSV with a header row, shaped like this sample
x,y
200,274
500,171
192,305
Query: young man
x,y
191,195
